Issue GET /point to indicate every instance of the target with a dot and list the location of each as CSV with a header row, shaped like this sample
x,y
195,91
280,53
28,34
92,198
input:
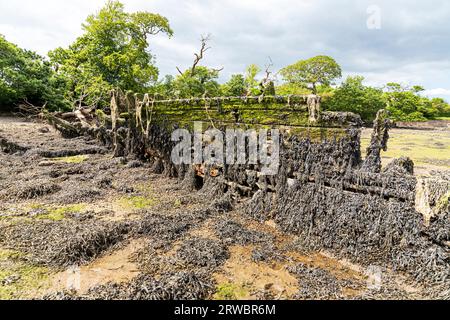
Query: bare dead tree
x,y
268,72
199,56
267,83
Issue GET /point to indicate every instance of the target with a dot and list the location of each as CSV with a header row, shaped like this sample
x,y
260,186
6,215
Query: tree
x,y
202,83
26,77
441,106
267,84
198,81
251,83
405,104
199,56
353,96
112,52
235,87
320,70
290,89
163,89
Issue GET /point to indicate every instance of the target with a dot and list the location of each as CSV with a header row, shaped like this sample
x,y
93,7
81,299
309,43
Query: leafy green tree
x,y
417,89
405,104
251,83
202,82
235,87
27,77
441,106
164,88
290,88
112,52
320,70
395,87
353,96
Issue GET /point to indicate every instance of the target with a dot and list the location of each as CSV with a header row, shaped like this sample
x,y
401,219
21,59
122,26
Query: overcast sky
x,y
405,41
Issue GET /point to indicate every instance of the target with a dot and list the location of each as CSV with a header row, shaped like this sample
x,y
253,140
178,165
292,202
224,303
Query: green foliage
x,y
251,83
291,88
26,76
203,82
312,72
163,89
441,107
353,96
405,104
112,52
235,87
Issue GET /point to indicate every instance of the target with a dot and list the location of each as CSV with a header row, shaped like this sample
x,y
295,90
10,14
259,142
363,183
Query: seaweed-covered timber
x,y
324,192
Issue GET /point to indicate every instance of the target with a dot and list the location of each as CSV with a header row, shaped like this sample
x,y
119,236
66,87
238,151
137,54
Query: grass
x,y
22,277
425,148
229,291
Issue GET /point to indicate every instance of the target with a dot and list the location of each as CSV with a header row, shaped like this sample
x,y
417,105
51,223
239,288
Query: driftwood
x,y
67,129
27,109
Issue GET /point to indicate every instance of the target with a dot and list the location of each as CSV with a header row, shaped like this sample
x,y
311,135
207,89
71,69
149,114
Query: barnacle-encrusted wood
x,y
324,192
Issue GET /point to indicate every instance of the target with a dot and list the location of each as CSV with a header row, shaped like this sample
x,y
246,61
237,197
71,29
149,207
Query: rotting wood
x,y
324,192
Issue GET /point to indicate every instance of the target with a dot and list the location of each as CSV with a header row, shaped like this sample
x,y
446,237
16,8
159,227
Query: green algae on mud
x,y
45,212
72,160
17,277
59,213
136,202
426,148
41,212
230,291
143,199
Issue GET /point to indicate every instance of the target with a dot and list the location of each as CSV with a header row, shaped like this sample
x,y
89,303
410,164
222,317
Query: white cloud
x,y
412,45
438,92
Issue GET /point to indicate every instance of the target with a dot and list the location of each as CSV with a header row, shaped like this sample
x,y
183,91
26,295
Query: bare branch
x,y
199,56
218,70
268,71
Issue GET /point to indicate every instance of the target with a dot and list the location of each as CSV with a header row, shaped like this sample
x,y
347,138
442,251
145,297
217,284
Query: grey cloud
x,y
412,44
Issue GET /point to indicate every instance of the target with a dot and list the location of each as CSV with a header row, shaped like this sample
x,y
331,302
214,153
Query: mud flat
x,y
78,223
429,149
